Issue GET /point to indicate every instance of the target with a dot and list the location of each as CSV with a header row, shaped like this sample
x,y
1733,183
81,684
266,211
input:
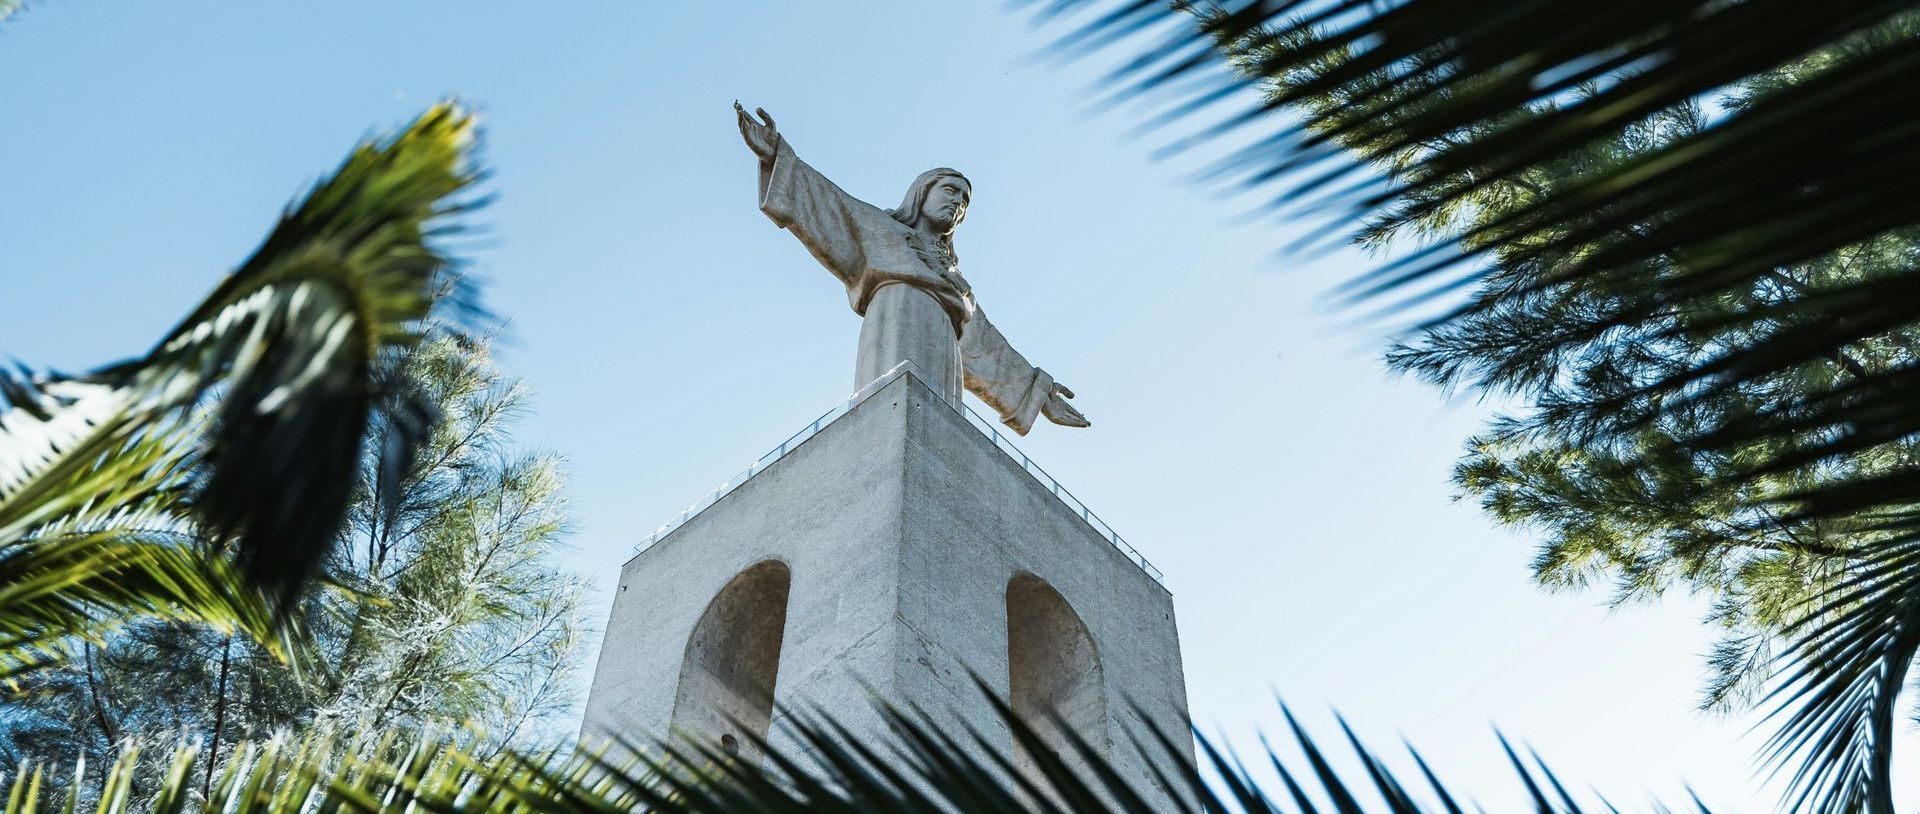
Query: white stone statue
x,y
904,281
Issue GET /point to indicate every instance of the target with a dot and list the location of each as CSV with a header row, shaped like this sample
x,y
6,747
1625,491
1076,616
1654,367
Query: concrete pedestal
x,y
896,550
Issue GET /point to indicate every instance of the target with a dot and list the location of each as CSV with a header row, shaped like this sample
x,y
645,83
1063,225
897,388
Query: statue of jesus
x,y
903,279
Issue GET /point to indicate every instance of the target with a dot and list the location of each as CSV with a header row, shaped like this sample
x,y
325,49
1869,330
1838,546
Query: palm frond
x,y
54,591
1410,111
243,426
294,334
1839,681
920,767
1644,218
74,455
93,528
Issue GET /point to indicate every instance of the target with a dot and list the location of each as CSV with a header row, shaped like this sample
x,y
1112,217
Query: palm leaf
x,y
54,591
919,767
75,455
1839,681
242,426
1409,110
348,273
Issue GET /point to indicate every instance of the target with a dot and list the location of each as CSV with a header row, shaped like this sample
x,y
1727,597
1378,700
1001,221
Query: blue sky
x,y
1294,493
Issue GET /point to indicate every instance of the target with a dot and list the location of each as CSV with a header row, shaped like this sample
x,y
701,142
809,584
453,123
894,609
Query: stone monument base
x,y
896,551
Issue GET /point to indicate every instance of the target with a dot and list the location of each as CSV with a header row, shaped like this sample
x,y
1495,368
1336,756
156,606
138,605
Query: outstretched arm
x,y
800,200
1004,379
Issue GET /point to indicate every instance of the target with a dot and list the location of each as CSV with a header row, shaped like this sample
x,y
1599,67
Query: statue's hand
x,y
762,139
1060,411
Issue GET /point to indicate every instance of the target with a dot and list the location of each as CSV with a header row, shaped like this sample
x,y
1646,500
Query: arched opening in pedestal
x,y
732,661
1054,676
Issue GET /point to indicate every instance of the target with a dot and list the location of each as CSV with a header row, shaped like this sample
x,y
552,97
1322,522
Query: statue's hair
x,y
909,211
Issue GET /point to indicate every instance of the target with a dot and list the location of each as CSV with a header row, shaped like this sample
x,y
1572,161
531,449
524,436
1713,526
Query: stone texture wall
x,y
903,529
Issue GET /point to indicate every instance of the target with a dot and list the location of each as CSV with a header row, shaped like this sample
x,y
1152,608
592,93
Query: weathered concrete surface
x,y
903,528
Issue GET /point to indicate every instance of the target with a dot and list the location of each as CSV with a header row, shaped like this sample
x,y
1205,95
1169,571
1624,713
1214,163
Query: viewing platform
x,y
986,427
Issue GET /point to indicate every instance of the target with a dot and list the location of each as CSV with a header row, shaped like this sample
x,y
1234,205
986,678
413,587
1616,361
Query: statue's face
x,y
946,203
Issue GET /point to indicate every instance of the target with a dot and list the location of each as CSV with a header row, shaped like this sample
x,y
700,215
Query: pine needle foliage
x,y
454,606
447,607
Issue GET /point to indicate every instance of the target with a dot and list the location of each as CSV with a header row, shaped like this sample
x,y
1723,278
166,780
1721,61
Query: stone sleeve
x,y
1000,376
822,216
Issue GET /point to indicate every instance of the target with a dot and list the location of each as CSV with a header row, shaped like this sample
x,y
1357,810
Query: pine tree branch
x,y
1839,356
94,692
219,717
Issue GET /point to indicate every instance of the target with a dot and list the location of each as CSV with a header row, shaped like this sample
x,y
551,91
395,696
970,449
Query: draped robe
x,y
913,306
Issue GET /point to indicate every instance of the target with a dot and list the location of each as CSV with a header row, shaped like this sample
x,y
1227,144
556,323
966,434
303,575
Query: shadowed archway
x,y
733,660
1053,670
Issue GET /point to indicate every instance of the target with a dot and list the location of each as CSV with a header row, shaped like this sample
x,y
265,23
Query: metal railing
x,y
1000,442
979,422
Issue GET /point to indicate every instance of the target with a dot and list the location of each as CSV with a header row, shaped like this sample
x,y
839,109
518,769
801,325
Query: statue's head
x,y
938,199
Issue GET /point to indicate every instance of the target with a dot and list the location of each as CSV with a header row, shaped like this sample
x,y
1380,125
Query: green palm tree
x,y
1439,118
1455,100
205,480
